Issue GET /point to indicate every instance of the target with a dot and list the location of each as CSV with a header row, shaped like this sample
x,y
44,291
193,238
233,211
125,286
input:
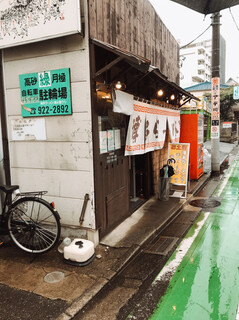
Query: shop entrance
x,y
141,187
123,183
111,166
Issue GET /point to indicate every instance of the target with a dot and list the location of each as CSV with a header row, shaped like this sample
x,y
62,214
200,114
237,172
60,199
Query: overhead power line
x,y
195,38
233,19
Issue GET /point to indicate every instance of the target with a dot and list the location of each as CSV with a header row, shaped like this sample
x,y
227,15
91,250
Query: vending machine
x,y
191,131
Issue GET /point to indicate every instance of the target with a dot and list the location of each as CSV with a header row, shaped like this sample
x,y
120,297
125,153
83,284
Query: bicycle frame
x,y
9,201
31,222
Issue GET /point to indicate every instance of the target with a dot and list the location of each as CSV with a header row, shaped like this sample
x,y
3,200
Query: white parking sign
x,y
236,93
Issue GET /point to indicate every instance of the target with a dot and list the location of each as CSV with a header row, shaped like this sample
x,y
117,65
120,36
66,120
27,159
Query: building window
x,y
111,125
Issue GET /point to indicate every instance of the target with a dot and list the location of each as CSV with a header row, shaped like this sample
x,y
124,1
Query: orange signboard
x,y
180,152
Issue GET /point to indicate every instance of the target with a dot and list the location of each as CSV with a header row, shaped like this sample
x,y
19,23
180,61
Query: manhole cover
x,y
162,246
54,277
205,203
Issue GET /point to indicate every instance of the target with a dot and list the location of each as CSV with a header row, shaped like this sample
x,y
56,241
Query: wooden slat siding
x,y
134,10
154,31
113,206
99,20
106,20
152,34
164,69
142,44
168,51
128,26
134,25
137,31
121,14
158,38
162,49
92,14
113,33
133,21
171,59
161,32
148,35
174,53
117,13
171,54
145,24
140,31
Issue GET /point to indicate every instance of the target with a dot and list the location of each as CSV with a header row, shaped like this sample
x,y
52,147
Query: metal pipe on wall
x,y
6,162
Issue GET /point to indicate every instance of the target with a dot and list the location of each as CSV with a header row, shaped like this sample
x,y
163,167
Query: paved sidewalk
x,y
22,276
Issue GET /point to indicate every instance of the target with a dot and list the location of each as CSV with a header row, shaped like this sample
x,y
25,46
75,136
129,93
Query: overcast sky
x,y
186,24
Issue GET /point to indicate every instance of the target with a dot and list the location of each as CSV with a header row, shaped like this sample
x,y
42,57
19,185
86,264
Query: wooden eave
x,y
141,64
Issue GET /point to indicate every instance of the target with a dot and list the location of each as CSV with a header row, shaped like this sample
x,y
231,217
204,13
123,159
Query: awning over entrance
x,y
135,60
115,63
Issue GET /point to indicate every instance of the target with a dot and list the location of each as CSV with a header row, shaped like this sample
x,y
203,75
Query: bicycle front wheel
x,y
33,225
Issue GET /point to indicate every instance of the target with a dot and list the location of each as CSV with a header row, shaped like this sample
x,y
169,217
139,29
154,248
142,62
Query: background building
x,y
195,62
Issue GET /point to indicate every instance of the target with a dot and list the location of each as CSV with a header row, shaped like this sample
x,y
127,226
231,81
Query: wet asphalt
x,y
23,305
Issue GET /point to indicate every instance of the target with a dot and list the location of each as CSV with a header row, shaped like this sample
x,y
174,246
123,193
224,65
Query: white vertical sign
x,y
215,132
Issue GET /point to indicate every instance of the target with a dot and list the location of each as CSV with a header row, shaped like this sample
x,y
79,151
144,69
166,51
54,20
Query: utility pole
x,y
215,95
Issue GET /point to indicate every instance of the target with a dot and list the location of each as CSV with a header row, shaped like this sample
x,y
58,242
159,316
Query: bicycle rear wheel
x,y
34,225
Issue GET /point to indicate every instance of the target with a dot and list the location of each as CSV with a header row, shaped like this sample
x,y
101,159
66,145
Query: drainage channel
x,y
121,294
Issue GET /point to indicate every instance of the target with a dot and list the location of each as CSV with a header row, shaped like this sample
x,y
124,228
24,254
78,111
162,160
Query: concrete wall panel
x,y
64,183
77,61
45,48
51,155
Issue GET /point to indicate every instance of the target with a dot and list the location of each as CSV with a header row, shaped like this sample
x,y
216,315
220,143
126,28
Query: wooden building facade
x,y
134,25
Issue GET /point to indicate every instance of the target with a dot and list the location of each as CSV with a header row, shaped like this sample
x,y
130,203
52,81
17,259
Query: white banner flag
x,y
122,102
147,128
136,133
174,128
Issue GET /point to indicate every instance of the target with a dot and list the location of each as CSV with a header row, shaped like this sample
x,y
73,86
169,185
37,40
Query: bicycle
x,y
31,222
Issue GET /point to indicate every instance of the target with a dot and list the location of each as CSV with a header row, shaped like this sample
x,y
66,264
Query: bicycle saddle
x,y
9,189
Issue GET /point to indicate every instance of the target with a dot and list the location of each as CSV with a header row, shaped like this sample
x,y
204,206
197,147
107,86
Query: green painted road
x,y
205,286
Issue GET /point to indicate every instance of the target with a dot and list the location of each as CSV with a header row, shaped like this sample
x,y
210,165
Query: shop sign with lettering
x,y
46,93
180,153
215,132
